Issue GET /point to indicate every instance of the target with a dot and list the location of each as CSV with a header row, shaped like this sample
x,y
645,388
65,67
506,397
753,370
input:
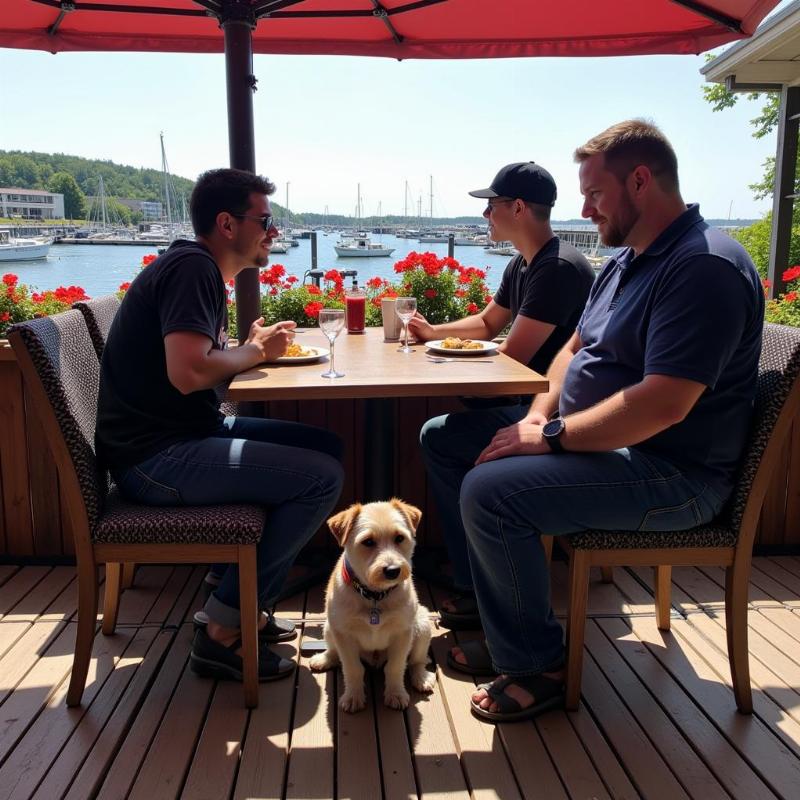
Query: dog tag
x,y
374,616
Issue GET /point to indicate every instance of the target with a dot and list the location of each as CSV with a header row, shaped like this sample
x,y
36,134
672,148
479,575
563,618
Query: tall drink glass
x,y
355,303
331,323
405,308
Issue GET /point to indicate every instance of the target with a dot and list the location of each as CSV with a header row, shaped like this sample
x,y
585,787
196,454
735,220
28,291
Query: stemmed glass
x,y
331,322
405,308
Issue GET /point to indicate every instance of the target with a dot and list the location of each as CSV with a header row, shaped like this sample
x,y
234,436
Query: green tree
x,y
74,198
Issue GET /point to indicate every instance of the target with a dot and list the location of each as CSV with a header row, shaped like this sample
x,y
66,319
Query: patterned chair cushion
x,y
127,523
778,369
702,536
98,314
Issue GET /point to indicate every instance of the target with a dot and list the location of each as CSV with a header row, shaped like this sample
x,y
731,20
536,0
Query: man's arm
x,y
193,364
525,338
624,419
485,325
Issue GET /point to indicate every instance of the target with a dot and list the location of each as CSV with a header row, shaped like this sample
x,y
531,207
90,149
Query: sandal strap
x,y
539,687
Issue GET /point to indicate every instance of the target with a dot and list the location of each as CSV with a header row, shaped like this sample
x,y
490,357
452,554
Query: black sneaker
x,y
276,630
210,659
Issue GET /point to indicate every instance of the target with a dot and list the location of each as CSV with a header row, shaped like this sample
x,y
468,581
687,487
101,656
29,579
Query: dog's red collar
x,y
351,580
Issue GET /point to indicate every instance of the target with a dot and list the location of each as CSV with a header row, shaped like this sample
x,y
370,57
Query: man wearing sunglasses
x,y
159,427
542,294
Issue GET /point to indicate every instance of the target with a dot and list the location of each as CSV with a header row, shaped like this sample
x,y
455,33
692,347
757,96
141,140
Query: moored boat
x,y
14,249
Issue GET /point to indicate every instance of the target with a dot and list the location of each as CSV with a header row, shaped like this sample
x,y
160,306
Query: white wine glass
x,y
331,323
405,308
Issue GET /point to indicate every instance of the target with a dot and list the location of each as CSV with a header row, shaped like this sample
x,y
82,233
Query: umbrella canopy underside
x,y
390,28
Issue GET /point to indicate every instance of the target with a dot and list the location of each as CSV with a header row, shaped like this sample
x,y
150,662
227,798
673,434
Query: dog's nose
x,y
391,572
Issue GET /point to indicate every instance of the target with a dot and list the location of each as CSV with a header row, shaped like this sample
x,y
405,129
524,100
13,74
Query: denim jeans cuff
x,y
222,614
550,666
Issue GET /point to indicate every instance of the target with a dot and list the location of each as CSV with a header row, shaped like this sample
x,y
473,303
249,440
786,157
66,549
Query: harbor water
x,y
100,269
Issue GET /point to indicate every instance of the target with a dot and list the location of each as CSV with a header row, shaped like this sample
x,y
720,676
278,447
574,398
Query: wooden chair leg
x,y
663,584
111,597
87,621
547,544
128,574
576,625
607,574
736,586
248,610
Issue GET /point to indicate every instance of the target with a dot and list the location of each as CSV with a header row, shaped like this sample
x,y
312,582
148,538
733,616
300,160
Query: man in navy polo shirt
x,y
646,417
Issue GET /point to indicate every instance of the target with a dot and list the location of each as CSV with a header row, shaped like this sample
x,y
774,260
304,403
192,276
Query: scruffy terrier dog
x,y
371,604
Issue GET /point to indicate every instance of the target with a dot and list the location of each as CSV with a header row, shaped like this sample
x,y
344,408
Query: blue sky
x,y
325,124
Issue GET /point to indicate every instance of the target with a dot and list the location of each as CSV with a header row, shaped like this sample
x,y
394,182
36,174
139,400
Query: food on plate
x,y
298,351
454,343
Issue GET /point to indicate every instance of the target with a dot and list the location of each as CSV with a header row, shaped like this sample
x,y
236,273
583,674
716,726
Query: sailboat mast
x,y
405,203
165,172
431,199
286,211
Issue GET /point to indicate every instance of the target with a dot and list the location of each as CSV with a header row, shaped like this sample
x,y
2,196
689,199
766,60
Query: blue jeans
x,y
506,505
450,445
292,469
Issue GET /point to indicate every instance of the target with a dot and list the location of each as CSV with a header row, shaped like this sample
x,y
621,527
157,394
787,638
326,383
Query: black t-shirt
x,y
553,288
139,411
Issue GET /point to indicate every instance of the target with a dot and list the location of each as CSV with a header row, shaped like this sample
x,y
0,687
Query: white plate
x,y
486,347
319,352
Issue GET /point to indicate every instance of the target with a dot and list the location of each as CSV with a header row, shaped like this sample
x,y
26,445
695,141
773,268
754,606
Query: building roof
x,y
17,190
769,59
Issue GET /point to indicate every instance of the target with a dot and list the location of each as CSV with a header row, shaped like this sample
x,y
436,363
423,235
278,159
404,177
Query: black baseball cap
x,y
525,180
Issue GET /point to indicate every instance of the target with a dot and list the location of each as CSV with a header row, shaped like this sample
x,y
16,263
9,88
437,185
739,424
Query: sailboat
x,y
284,241
360,245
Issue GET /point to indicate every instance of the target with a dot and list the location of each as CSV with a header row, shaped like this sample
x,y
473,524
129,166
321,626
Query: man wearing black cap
x,y
542,293
543,289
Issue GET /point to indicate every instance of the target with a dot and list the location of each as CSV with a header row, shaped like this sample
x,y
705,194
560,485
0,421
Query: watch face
x,y
553,428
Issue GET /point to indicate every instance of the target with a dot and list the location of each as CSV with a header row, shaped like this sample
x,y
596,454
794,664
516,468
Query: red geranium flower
x,y
5,316
313,308
375,283
148,259
791,273
123,287
472,308
312,289
10,280
431,293
790,297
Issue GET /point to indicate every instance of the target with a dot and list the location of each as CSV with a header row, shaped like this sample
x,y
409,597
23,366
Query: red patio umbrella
x,y
391,28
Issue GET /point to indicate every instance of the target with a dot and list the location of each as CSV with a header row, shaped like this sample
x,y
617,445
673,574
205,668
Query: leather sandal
x,y
465,616
547,693
276,629
478,660
210,659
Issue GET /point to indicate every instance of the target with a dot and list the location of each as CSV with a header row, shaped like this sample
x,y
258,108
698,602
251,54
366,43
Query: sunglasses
x,y
266,221
490,206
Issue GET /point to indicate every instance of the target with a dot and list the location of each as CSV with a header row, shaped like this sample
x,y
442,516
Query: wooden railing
x,y
32,522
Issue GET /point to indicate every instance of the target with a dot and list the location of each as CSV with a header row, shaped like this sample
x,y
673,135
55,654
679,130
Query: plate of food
x,y
453,345
302,354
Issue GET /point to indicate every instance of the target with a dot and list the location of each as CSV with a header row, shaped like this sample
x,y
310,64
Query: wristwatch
x,y
552,432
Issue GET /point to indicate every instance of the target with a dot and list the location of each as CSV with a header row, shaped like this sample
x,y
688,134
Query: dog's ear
x,y
412,514
342,523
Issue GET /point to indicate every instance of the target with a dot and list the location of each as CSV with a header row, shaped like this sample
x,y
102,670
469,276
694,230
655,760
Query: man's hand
x,y
523,439
273,340
420,328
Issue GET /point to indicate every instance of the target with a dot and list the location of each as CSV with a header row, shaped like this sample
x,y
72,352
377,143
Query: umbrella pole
x,y
241,137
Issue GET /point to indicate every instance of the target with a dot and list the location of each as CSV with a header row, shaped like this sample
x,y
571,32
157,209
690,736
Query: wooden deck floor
x,y
657,718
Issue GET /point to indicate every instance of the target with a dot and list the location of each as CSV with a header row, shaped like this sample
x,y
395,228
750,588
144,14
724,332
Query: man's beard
x,y
618,228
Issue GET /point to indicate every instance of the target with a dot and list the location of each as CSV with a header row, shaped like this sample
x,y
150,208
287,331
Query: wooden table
x,y
375,370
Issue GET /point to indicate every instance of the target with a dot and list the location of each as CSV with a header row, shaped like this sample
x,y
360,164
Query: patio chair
x,y
98,314
62,384
726,542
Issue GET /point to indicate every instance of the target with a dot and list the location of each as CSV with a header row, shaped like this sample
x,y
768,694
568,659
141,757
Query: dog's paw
x,y
396,698
422,680
353,701
321,661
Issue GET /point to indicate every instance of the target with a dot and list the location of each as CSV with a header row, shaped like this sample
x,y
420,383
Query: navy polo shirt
x,y
690,306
